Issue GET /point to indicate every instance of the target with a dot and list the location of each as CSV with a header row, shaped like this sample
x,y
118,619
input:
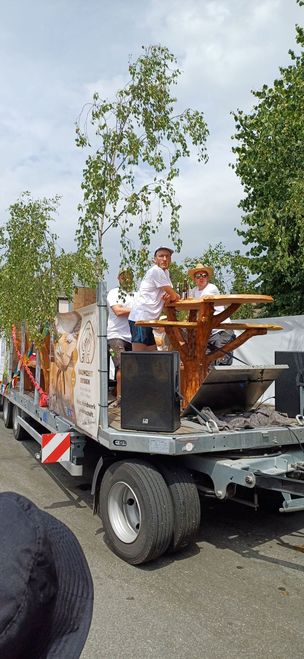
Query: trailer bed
x,y
193,438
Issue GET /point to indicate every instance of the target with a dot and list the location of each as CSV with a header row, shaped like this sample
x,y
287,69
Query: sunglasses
x,y
201,274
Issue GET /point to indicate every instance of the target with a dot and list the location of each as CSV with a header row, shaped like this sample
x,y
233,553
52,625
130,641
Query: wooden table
x,y
190,337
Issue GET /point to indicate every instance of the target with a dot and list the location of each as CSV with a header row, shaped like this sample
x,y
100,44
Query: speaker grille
x,y
149,385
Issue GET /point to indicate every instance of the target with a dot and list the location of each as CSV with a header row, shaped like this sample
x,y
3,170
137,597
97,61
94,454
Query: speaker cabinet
x,y
289,392
149,382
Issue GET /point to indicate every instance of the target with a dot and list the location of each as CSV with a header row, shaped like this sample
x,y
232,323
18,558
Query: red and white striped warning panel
x,y
55,447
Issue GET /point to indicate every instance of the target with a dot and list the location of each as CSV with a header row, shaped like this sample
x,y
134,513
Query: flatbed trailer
x,y
148,486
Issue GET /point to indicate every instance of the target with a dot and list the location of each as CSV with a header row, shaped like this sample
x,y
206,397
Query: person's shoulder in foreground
x,y
46,588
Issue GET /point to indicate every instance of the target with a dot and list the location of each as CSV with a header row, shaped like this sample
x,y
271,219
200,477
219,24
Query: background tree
x,y
137,141
270,164
33,271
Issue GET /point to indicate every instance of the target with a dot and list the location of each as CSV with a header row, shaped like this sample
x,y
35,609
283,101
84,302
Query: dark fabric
x,y
219,340
46,589
262,416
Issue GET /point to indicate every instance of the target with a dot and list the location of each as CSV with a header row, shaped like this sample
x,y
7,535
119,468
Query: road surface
x,y
239,592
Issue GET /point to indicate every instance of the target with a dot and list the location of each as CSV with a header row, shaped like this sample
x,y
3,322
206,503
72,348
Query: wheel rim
x,y
15,422
5,409
124,512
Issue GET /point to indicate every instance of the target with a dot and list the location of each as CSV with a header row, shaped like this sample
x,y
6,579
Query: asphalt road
x,y
237,593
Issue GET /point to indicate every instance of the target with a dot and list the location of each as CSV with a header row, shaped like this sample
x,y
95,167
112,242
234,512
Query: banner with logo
x,y
74,379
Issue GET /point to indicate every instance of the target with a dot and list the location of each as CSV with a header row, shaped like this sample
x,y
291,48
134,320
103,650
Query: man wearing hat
x,y
201,275
155,290
46,588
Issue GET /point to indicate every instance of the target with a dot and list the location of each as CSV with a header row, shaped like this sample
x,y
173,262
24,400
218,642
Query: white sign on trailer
x,y
74,381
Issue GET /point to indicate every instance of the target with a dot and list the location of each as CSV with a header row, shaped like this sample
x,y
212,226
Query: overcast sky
x,y
55,54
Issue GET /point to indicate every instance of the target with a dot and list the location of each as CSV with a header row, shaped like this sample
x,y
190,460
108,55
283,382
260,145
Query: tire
x,y
19,432
1,402
186,505
7,413
136,511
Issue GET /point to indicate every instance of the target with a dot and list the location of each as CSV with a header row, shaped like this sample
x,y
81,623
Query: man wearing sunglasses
x,y
201,276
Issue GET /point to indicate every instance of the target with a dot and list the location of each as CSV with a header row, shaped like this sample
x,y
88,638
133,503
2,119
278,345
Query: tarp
x,y
260,350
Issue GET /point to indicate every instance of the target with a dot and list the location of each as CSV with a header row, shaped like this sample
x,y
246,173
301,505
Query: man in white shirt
x,y
154,291
201,276
119,304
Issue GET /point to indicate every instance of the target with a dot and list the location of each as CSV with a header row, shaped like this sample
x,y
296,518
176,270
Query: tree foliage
x,y
136,143
33,271
270,164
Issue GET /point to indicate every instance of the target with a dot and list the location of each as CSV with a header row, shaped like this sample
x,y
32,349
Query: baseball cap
x,y
167,248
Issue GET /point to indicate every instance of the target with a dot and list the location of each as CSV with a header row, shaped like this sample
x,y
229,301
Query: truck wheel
x,y
136,510
7,413
19,432
1,402
186,505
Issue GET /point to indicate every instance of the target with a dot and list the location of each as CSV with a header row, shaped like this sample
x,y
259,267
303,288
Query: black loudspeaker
x,y
149,385
289,391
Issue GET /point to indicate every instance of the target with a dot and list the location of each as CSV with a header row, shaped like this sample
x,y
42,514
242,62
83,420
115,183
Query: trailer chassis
x,y
175,465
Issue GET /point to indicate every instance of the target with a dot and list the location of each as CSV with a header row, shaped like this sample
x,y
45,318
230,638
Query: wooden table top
x,y
221,300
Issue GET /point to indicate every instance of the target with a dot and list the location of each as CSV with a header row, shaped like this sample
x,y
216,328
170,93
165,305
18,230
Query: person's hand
x,y
166,297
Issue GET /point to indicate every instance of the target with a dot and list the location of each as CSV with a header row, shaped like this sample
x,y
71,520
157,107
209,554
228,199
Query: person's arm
x,y
119,310
170,294
162,280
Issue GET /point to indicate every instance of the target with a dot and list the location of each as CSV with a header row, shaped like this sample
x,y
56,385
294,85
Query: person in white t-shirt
x,y
155,290
119,304
201,276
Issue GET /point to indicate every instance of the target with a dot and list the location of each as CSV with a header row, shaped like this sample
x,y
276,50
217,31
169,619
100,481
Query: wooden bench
x,y
166,323
193,324
244,326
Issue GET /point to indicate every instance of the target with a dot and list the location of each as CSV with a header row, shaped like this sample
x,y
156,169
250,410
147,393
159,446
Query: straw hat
x,y
200,268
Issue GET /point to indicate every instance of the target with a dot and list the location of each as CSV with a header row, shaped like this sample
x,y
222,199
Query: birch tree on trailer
x,y
136,143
